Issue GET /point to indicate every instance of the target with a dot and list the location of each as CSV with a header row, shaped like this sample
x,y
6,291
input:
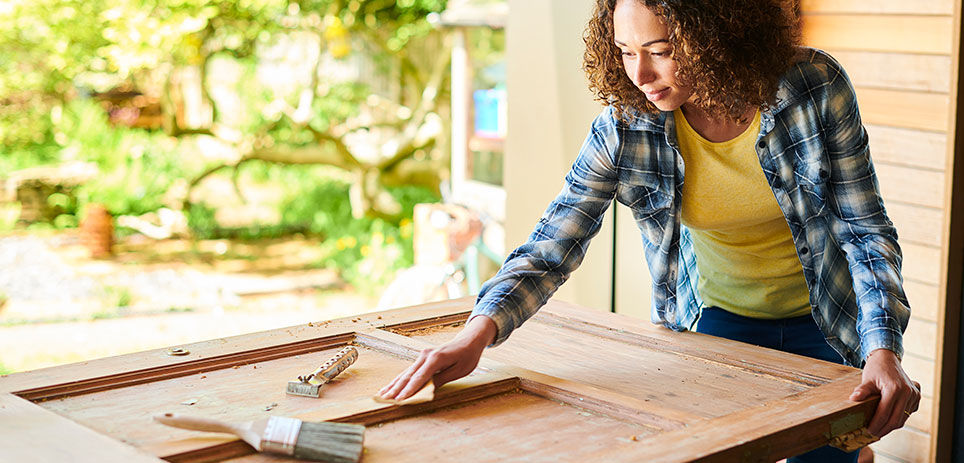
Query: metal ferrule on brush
x,y
280,435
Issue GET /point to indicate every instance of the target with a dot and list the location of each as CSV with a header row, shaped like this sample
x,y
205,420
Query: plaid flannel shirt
x,y
814,153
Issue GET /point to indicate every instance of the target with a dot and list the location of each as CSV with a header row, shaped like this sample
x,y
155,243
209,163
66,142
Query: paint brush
x,y
318,441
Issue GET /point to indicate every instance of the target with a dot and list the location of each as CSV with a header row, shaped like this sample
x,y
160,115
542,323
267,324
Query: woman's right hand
x,y
444,363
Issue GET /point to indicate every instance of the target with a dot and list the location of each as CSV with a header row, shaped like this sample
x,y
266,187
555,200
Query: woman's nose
x,y
642,73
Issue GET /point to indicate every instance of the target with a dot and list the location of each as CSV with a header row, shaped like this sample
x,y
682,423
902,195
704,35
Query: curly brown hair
x,y
732,54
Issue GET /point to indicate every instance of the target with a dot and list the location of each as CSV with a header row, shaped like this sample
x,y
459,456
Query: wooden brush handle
x,y
196,423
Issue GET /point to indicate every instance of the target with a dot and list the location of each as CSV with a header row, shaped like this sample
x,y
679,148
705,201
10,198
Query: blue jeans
x,y
797,335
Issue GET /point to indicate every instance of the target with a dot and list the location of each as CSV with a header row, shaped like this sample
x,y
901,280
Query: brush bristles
x,y
330,442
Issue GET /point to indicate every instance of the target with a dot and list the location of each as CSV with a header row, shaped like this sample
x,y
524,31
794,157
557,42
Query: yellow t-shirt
x,y
744,251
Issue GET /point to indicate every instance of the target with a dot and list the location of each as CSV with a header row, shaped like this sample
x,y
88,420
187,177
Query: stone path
x,y
59,306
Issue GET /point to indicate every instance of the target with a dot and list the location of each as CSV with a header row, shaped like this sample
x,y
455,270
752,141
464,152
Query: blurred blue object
x,y
490,113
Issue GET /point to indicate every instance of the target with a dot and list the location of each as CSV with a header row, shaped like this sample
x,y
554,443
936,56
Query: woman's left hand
x,y
899,396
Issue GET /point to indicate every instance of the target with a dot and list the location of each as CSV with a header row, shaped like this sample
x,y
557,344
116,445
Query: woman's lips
x,y
656,96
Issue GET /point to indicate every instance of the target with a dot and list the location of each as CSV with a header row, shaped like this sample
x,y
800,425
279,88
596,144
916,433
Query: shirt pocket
x,y
813,177
649,201
643,191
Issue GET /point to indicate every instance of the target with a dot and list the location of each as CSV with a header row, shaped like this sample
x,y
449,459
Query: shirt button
x,y
823,174
762,144
804,250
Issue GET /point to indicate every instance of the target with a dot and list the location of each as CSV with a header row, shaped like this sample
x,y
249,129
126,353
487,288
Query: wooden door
x,y
572,384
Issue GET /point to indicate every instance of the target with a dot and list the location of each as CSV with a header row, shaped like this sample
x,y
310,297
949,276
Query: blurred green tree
x,y
356,84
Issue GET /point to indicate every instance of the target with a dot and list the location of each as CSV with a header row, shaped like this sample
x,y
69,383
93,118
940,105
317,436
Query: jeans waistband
x,y
792,321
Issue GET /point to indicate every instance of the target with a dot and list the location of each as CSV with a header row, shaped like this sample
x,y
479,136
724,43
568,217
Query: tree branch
x,y
340,145
404,61
428,103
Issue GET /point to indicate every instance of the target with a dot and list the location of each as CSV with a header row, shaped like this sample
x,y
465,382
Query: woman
x,y
779,236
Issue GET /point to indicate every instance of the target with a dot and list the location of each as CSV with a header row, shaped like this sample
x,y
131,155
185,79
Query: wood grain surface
x,y
572,384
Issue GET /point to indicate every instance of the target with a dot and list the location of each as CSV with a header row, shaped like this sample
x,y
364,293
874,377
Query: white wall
x,y
550,111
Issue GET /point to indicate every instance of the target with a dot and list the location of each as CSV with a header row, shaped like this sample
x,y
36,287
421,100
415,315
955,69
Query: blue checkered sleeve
x,y
859,223
557,245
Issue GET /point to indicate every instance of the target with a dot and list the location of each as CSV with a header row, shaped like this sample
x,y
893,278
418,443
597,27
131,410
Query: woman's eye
x,y
659,53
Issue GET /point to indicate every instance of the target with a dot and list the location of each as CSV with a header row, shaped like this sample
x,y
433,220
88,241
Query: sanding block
x,y
310,385
425,394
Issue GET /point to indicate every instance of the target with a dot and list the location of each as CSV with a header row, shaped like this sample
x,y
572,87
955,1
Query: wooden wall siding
x,y
907,147
908,442
922,343
882,33
920,420
920,225
897,54
923,300
918,263
899,108
922,370
909,185
923,73
913,7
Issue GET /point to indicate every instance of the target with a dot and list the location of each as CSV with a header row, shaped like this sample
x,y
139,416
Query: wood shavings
x,y
417,332
189,402
270,407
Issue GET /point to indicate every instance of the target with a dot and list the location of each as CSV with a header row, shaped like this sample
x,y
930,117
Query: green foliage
x,y
63,221
368,255
15,158
8,218
136,166
51,43
487,49
180,310
117,296
62,53
366,251
341,102
201,221
65,48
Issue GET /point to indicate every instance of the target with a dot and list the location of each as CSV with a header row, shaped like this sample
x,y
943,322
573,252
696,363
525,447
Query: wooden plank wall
x,y
898,55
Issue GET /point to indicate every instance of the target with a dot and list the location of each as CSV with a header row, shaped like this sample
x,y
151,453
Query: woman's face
x,y
644,41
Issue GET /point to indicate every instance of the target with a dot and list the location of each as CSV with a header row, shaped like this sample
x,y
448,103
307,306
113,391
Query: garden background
x,y
259,159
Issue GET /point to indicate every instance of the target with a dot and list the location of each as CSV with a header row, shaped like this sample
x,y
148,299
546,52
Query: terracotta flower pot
x,y
97,231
